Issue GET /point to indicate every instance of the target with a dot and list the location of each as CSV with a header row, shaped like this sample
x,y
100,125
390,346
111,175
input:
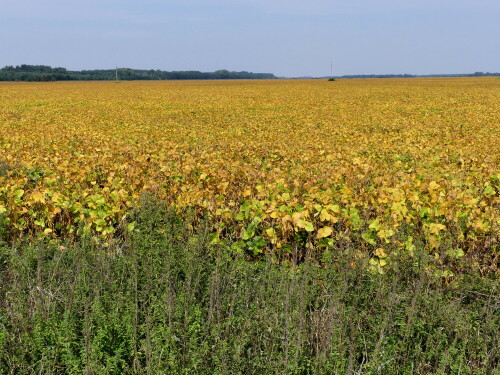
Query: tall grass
x,y
166,301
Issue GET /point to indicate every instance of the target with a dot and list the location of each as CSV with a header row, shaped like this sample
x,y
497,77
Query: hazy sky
x,y
284,37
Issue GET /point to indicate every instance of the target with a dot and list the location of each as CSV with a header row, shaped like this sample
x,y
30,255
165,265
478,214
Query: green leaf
x,y
248,233
100,223
327,257
409,246
239,246
424,212
370,238
40,223
307,225
19,193
214,238
489,190
455,253
375,225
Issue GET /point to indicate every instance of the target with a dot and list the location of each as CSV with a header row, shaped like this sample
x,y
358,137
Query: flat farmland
x,y
292,167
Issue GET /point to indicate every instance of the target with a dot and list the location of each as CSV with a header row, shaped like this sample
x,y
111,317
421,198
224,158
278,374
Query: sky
x,y
289,38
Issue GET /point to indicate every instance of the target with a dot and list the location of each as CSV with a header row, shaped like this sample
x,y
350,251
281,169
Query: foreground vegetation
x,y
163,300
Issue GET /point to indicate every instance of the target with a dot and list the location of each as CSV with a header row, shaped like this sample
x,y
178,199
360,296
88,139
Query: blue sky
x,y
285,37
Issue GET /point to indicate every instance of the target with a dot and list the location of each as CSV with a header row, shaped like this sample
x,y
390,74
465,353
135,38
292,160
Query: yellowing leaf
x,y
385,233
55,210
324,232
433,185
380,252
434,241
436,228
271,232
307,225
37,197
334,208
296,217
324,215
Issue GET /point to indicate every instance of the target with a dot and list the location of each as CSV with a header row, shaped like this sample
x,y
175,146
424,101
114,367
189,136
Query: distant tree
x,y
26,72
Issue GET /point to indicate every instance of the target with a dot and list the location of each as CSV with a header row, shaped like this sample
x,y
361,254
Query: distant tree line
x,y
379,76
44,73
476,74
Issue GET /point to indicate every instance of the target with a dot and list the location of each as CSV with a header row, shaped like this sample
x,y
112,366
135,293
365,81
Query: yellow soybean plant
x,y
380,166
